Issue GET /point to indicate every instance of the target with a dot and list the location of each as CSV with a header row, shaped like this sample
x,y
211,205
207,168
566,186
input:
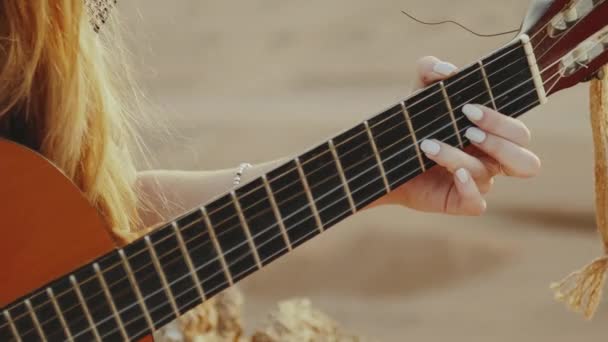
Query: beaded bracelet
x,y
239,173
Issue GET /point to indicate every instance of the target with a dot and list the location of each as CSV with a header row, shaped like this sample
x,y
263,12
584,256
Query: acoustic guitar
x,y
63,278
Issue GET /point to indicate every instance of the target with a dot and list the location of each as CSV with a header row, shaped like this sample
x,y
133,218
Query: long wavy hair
x,y
64,94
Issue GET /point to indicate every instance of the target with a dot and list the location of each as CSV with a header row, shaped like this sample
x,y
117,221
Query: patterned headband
x,y
99,11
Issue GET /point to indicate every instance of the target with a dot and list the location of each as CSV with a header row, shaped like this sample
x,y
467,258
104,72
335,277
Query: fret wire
x,y
462,76
349,195
377,154
64,325
9,319
498,58
486,81
277,213
313,204
106,291
161,275
186,254
239,212
85,307
28,304
135,286
451,112
410,127
216,244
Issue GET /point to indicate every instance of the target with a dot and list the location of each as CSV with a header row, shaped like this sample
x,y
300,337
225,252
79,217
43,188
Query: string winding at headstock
x,y
569,40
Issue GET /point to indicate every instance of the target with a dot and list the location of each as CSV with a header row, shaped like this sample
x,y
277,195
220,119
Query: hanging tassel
x,y
581,291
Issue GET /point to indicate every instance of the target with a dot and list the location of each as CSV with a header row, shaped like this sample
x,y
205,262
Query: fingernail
x,y
472,112
430,147
475,135
444,68
462,175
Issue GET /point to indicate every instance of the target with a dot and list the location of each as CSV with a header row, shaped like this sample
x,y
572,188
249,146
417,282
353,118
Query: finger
x,y
498,124
470,201
485,186
515,160
453,159
430,70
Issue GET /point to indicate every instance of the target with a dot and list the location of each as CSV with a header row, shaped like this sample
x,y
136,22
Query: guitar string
x,y
231,228
391,115
462,77
278,235
389,171
399,112
268,228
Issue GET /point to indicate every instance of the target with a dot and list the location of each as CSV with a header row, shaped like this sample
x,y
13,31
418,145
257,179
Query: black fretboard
x,y
133,291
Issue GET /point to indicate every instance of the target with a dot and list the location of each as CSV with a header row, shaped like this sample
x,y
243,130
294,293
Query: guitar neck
x,y
133,291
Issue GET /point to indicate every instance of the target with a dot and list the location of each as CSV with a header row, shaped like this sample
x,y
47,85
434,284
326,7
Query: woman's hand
x,y
457,185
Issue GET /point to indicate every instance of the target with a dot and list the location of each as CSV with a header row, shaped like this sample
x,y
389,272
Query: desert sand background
x,y
261,79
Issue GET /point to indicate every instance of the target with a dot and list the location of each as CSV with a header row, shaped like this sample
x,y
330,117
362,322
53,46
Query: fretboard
x,y
134,291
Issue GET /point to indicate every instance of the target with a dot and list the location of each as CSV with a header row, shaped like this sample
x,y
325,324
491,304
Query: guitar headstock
x,y
569,39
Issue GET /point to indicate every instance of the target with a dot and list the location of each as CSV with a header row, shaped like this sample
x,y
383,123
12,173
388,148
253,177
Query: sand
x,y
261,79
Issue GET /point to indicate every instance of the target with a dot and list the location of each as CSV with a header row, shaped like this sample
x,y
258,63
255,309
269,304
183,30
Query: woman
x,y
64,93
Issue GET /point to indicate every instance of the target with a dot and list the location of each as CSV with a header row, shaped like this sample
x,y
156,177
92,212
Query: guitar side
x,y
48,228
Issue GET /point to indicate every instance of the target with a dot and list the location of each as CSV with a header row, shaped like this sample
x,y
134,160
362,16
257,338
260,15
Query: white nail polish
x,y
444,68
430,147
472,112
462,175
475,135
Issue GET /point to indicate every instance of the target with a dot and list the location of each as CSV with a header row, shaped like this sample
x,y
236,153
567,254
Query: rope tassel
x,y
582,290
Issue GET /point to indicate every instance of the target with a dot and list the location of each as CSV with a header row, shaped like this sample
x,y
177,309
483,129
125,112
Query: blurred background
x,y
256,80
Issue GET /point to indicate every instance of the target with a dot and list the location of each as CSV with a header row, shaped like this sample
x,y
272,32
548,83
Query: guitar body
x,y
48,227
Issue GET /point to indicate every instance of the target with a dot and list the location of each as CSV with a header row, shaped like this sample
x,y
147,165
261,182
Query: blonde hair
x,y
57,76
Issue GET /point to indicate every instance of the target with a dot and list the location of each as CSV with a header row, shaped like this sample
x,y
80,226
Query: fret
x,y
327,192
430,118
57,311
308,193
467,87
149,281
396,145
277,213
209,265
90,286
161,274
9,320
45,318
72,310
218,247
349,194
245,226
511,79
24,324
189,263
413,135
270,239
451,113
32,314
484,75
181,287
85,308
110,300
294,204
122,286
355,153
231,237
377,155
